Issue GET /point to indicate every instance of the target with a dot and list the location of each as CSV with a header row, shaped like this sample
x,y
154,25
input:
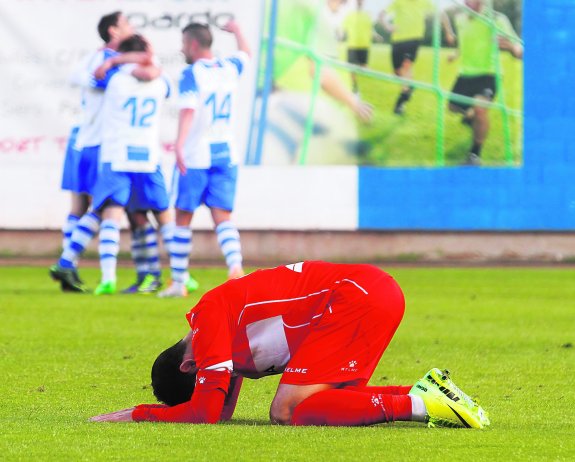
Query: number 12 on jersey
x,y
142,110
221,106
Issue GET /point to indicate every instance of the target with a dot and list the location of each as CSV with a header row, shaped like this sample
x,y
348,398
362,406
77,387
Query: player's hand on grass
x,y
452,57
125,415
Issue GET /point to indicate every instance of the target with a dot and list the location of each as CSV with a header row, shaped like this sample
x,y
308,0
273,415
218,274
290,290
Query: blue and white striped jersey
x,y
131,121
209,87
90,133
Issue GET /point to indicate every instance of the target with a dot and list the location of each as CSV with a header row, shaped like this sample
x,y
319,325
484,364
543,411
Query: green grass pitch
x,y
506,334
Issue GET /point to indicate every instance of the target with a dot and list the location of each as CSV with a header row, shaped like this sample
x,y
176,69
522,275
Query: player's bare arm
x,y
515,49
234,28
146,69
184,125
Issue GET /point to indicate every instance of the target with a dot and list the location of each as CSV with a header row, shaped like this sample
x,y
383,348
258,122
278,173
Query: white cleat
x,y
174,291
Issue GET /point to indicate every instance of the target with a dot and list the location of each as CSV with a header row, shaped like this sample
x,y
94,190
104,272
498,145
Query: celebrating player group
x,y
112,162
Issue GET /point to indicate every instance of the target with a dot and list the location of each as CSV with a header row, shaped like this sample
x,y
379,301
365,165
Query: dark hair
x,y
171,386
200,32
134,43
106,22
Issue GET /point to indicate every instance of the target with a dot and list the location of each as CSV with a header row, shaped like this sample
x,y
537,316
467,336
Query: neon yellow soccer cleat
x,y
447,405
442,381
106,288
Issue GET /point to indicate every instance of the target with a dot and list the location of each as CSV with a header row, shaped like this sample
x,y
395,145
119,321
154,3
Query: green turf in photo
x,y
410,140
506,335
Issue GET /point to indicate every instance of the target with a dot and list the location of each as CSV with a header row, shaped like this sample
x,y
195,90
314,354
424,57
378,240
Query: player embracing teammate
x,y
129,176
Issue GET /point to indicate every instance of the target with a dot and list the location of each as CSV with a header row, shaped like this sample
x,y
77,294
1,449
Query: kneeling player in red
x,y
324,326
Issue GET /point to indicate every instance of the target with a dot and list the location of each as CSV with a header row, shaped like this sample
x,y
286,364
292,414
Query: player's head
x,y
172,386
133,43
114,27
475,5
196,40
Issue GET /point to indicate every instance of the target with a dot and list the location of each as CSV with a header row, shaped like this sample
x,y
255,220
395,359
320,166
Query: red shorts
x,y
347,342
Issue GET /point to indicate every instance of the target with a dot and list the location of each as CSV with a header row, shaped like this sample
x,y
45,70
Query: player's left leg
x,y
111,195
190,190
82,174
343,349
109,247
343,407
405,70
220,198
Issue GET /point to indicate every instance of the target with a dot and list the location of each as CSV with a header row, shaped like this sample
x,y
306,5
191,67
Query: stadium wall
x,y
538,196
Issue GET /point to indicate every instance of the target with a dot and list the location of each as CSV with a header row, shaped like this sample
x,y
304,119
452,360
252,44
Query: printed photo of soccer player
x,y
357,31
405,20
411,40
324,328
477,58
310,24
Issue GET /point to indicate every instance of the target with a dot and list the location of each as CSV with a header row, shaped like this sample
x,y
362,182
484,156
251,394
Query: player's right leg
x,y
462,408
446,404
403,57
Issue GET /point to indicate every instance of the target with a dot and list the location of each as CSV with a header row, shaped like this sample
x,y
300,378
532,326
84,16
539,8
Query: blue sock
x,y
229,240
81,237
180,253
152,250
108,249
69,225
139,253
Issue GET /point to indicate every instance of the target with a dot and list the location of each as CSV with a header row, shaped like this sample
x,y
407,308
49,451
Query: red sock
x,y
387,390
351,408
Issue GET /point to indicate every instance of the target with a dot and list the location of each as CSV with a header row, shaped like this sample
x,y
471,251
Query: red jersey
x,y
256,323
315,322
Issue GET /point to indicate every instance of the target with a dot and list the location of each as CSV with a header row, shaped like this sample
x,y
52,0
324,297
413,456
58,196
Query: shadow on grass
x,y
249,422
